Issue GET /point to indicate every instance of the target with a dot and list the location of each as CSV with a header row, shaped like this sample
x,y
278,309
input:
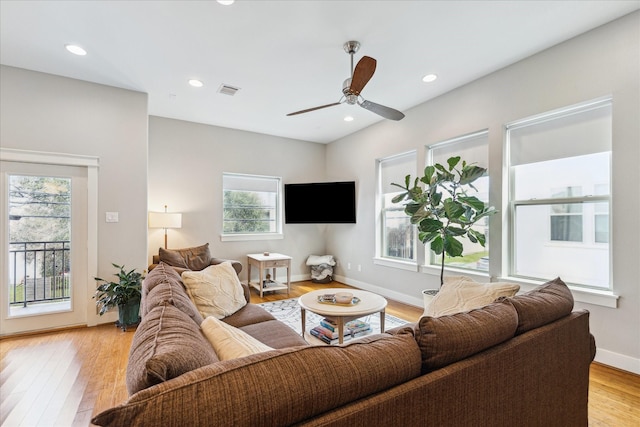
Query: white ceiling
x,y
286,55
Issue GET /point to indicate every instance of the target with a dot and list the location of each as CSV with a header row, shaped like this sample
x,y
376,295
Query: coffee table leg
x,y
303,318
340,330
382,322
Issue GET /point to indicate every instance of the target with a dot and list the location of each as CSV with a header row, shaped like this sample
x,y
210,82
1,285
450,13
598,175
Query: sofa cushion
x,y
195,258
174,294
248,315
542,305
216,290
277,388
274,333
462,293
447,339
163,286
166,344
229,342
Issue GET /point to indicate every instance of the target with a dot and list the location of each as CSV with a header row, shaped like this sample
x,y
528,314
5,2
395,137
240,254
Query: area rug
x,y
288,312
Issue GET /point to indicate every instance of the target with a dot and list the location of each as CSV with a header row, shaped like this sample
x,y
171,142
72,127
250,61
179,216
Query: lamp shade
x,y
165,220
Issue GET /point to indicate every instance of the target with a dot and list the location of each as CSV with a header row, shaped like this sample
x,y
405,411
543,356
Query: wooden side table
x,y
273,261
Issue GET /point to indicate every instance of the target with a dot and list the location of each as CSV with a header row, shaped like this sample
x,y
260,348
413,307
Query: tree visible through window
x,y
39,238
250,204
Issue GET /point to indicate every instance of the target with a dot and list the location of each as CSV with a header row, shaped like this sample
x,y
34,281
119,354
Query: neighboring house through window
x,y
396,237
559,195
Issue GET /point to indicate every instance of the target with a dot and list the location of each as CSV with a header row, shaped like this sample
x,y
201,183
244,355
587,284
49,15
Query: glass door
x,y
45,219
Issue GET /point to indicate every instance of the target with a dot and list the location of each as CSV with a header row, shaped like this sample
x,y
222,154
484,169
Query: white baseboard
x,y
620,361
606,357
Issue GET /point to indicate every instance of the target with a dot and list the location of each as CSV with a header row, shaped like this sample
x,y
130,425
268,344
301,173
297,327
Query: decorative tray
x,y
331,299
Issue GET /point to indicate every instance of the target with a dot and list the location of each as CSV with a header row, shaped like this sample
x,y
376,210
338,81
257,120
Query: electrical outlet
x,y
359,267
111,217
348,266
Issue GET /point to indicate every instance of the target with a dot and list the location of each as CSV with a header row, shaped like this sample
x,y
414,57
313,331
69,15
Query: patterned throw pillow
x,y
216,291
462,293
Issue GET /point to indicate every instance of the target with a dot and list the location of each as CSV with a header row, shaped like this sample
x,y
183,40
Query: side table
x,y
273,261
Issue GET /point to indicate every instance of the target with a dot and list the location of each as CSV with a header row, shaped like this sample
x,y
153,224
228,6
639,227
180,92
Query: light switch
x,y
112,217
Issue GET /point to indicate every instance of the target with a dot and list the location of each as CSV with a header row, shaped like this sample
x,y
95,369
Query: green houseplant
x,y
124,294
443,211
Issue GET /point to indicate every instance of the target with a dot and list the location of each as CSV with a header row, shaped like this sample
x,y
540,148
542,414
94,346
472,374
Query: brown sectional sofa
x,y
521,361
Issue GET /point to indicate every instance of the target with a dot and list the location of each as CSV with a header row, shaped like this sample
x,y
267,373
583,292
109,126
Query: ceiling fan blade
x,y
362,74
381,110
313,109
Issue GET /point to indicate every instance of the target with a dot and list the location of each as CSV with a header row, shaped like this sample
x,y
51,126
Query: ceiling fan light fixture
x,y
196,83
430,78
75,49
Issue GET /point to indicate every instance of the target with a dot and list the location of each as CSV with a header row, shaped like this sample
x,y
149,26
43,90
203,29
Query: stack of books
x,y
327,330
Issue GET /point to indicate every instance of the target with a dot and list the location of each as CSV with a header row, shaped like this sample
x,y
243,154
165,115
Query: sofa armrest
x,y
247,292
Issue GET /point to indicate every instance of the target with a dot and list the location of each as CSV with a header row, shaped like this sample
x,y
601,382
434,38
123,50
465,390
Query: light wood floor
x,y
63,378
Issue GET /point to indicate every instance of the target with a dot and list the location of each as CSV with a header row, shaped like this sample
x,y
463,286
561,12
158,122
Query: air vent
x,y
228,90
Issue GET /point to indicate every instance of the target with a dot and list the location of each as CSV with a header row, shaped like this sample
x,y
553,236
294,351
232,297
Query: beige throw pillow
x,y
216,290
229,342
459,294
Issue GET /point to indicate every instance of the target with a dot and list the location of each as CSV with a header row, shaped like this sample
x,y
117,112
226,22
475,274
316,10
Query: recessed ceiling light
x,y
429,78
196,83
76,50
226,2
348,119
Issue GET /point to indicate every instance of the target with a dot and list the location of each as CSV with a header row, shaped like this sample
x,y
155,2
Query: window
x,y
566,219
559,195
472,148
251,206
396,235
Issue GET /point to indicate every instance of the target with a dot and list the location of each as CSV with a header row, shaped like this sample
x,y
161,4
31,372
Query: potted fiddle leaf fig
x,y
125,293
442,209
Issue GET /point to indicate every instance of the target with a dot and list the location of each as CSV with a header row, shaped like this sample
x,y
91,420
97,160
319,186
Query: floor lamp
x,y
165,220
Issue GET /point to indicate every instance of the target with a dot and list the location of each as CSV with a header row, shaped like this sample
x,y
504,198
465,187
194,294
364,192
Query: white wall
x,y
186,162
602,62
47,113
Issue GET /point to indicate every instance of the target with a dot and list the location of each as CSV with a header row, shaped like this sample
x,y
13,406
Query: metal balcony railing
x,y
39,272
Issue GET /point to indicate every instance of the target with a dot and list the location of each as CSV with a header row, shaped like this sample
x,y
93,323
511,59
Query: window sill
x,y
477,275
402,265
249,237
604,298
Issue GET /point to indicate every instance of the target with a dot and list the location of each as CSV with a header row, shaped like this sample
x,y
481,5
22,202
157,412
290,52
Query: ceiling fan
x,y
352,87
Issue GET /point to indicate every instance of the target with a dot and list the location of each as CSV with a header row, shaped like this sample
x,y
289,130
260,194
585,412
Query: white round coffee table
x,y
342,313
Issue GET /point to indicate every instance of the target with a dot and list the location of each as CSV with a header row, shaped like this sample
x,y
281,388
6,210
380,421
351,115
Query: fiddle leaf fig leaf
x,y
437,245
452,246
453,162
470,174
472,201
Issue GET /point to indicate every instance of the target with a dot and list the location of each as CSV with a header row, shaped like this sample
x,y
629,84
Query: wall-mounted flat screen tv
x,y
320,203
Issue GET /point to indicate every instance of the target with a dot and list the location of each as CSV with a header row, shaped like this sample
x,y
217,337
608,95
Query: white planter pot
x,y
428,295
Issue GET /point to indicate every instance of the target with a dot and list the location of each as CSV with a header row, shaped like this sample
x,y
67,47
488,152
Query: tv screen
x,y
320,203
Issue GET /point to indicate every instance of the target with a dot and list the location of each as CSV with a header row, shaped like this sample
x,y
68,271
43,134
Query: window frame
x,y
248,236
429,260
511,203
380,239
